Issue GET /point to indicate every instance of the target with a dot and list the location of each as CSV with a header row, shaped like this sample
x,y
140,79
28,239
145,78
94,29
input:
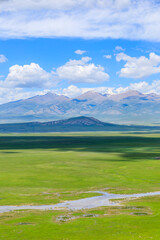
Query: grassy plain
x,y
51,168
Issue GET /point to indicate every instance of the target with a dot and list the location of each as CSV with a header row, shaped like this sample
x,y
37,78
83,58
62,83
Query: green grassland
x,y
52,168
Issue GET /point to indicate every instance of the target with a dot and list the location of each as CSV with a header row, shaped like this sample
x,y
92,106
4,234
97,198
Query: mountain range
x,y
131,107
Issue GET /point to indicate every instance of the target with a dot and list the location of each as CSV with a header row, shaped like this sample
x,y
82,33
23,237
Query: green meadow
x,y
40,169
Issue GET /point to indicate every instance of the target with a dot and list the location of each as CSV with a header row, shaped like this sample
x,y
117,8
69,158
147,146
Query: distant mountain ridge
x,y
77,124
131,107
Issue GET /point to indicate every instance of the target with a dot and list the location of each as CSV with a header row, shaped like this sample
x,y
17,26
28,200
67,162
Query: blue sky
x,y
117,42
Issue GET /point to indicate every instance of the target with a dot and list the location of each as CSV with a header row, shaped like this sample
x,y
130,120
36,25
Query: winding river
x,y
85,203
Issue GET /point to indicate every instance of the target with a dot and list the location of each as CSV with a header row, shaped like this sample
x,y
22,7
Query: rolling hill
x,y
76,124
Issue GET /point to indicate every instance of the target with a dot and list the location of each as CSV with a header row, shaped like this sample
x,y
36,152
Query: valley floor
x,y
52,168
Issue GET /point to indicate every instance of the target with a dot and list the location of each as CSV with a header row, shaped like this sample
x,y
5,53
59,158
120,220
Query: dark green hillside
x,y
77,124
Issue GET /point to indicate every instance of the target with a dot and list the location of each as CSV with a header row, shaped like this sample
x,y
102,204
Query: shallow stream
x,y
85,203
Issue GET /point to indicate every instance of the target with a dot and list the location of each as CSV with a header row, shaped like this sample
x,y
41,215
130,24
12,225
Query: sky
x,y
70,47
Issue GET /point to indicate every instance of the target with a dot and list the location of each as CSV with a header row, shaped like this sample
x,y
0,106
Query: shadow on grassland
x,y
126,145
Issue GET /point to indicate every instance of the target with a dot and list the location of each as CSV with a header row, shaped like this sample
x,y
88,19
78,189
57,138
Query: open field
x,y
51,168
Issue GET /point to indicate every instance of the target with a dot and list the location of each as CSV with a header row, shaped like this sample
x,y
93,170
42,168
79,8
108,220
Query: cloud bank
x,y
143,87
89,19
12,94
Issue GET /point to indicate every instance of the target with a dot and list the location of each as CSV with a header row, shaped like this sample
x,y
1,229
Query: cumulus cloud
x,y
3,58
125,19
82,71
72,91
139,67
29,76
80,52
34,76
108,56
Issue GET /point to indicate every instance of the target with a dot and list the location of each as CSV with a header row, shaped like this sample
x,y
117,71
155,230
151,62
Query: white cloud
x,y
14,94
143,87
2,58
33,76
119,48
129,19
82,71
74,91
80,52
29,76
122,3
108,56
14,5
139,67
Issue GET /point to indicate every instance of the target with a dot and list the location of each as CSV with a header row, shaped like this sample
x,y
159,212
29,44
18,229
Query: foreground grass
x,y
104,223
47,169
